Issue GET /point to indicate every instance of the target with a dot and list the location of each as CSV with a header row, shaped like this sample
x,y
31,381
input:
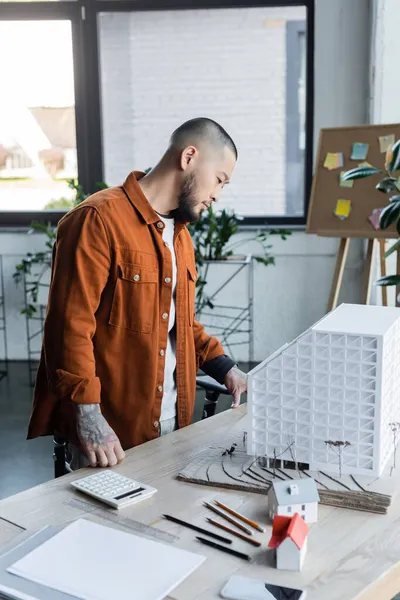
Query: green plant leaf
x,y
389,280
360,173
268,260
386,185
395,162
393,248
389,215
101,185
29,310
394,198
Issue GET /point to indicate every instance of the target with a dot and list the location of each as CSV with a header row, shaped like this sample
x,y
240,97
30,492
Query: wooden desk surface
x,y
350,555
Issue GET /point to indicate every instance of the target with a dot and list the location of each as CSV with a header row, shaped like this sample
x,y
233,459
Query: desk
x,y
351,555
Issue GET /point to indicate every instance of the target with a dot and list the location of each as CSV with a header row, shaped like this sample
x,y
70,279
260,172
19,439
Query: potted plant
x,y
389,184
213,240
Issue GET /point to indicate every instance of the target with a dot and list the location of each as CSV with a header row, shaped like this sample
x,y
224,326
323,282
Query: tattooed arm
x,y
236,382
98,440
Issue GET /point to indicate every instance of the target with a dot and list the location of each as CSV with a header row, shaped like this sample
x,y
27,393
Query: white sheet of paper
x,y
95,562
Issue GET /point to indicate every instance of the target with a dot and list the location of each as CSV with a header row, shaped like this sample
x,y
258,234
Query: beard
x,y
185,211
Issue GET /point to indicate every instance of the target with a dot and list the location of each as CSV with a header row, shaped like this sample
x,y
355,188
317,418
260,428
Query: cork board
x,y
362,198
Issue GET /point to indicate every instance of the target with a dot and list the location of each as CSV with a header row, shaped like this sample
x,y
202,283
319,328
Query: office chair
x,y
211,387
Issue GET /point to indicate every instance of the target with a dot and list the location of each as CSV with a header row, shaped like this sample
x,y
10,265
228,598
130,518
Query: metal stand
x,y
3,328
234,321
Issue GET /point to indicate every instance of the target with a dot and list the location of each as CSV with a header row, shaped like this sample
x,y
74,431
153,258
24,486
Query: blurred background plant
x,y
390,185
213,240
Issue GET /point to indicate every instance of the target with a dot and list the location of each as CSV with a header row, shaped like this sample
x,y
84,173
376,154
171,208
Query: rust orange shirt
x,y
106,327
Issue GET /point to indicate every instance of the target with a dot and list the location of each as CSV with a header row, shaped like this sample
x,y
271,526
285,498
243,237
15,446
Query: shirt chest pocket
x,y
135,297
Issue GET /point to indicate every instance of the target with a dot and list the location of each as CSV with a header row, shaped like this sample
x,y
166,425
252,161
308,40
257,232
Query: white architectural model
x,y
330,398
301,496
289,538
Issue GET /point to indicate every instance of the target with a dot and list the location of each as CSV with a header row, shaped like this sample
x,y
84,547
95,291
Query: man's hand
x,y
236,382
98,440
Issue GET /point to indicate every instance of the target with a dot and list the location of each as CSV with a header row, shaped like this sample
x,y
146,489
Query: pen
x,y
236,533
241,517
223,548
225,516
199,529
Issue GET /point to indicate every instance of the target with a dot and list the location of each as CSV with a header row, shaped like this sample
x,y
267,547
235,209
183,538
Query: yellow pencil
x,y
239,516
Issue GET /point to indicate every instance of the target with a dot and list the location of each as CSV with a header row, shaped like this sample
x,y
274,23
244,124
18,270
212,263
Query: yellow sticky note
x,y
343,208
385,142
333,160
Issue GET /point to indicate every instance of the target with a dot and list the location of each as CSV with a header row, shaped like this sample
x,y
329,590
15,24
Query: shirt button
x,y
165,315
162,352
156,424
167,280
136,277
160,224
159,388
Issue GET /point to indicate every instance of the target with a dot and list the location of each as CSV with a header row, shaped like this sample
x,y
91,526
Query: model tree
x,y
338,446
395,427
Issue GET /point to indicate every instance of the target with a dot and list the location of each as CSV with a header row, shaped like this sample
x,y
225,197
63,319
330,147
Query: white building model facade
x,y
337,382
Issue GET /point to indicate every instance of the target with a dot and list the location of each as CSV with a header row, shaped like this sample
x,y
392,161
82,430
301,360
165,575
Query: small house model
x,y
285,498
329,400
289,538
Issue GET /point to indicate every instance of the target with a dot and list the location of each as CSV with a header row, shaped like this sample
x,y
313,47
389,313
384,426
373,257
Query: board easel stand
x,y
368,271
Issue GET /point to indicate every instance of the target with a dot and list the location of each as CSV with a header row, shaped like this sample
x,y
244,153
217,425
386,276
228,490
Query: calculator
x,y
113,489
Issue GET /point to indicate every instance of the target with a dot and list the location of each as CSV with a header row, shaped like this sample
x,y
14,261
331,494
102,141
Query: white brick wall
x,y
116,101
229,65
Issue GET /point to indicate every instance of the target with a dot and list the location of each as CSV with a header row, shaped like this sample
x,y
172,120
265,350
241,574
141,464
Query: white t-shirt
x,y
168,406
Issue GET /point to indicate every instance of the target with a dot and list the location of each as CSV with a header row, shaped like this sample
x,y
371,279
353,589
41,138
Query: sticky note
x,y
333,160
374,217
359,151
343,208
346,183
385,142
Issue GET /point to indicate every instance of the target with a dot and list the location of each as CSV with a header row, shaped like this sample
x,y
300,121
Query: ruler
x,y
127,522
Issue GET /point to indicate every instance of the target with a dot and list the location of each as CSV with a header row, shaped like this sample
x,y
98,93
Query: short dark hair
x,y
202,129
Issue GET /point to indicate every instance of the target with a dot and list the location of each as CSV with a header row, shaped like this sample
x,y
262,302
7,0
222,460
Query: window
x,y
37,116
289,509
109,81
303,507
295,115
249,76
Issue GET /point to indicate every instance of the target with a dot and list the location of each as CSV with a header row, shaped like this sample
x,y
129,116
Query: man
x,y
121,344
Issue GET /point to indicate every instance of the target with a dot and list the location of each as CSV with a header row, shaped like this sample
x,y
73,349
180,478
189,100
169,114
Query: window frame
x,y
83,15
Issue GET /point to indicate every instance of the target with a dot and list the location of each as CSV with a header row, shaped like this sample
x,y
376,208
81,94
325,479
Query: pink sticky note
x,y
374,217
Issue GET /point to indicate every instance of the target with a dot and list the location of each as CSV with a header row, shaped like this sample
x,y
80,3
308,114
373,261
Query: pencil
x,y
233,532
199,529
241,517
225,516
223,548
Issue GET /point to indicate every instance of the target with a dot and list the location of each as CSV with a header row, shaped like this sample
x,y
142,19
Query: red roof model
x,y
294,528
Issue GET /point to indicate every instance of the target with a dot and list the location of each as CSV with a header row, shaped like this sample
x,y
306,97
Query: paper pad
x,y
94,562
